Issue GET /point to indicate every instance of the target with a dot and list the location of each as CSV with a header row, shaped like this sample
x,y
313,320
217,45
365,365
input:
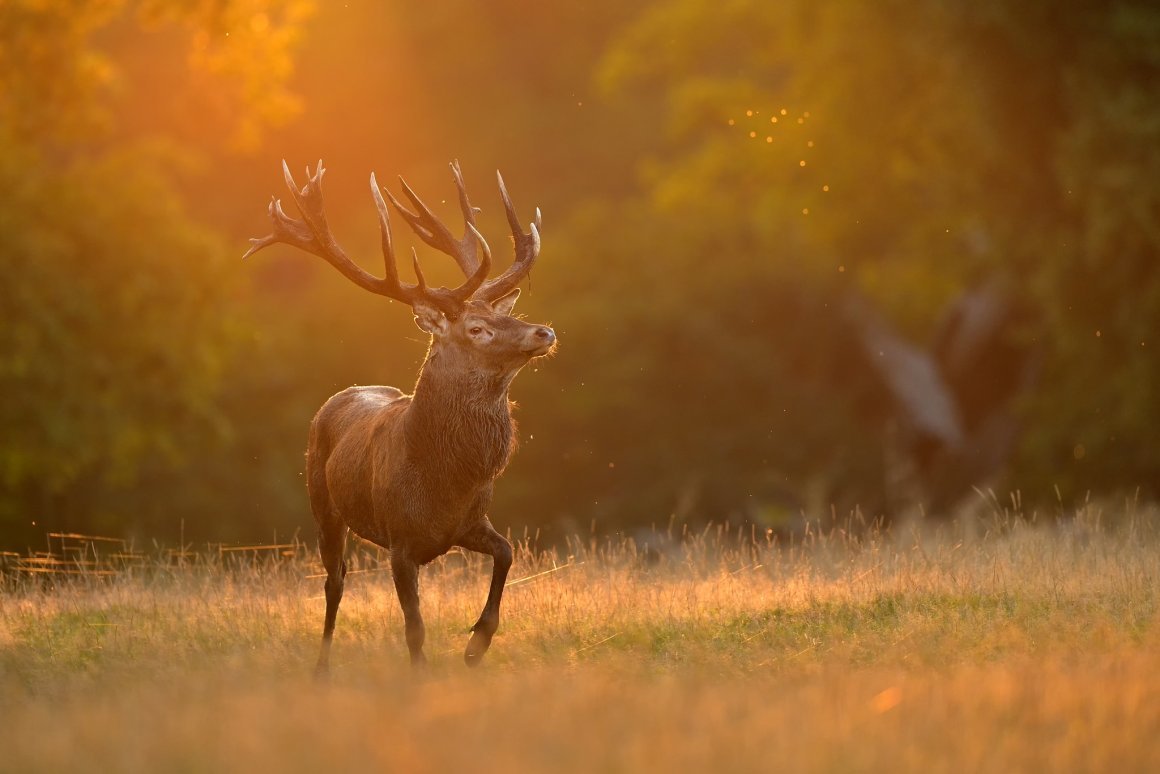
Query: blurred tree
x,y
115,332
62,65
1097,280
721,184
815,152
116,326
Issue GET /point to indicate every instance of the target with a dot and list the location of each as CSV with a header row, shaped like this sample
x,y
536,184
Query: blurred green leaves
x,y
119,321
903,152
116,326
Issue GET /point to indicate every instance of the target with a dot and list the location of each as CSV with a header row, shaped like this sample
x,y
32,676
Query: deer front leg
x,y
484,539
406,573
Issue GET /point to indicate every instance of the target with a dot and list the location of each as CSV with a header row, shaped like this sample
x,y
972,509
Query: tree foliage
x,y
117,318
898,153
721,184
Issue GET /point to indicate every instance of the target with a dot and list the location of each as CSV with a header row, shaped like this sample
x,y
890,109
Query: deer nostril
x,y
546,334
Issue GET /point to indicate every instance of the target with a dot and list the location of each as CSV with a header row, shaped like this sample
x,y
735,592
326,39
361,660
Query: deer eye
x,y
475,330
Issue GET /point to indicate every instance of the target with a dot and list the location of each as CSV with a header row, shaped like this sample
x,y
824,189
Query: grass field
x,y
988,645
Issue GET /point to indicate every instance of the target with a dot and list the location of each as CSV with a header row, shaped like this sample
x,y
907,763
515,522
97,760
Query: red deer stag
x,y
414,473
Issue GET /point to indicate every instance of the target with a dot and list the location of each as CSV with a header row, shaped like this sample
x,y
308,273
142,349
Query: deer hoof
x,y
476,647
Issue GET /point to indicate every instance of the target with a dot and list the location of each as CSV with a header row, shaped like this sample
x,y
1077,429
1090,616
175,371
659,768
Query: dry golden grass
x,y
1000,647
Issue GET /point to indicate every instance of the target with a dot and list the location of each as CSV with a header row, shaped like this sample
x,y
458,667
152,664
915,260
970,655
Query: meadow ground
x,y
988,645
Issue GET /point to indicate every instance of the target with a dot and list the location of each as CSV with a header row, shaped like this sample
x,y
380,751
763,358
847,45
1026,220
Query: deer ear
x,y
430,319
504,304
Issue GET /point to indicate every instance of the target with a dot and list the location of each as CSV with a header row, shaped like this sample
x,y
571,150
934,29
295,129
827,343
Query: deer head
x,y
471,326
484,337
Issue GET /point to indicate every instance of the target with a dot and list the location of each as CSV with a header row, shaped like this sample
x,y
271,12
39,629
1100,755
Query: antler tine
x,y
527,249
467,290
432,231
418,271
469,212
424,223
312,234
441,298
389,266
281,222
309,198
485,264
449,301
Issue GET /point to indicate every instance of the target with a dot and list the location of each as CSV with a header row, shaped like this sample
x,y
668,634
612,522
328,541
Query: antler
x,y
527,247
432,231
312,234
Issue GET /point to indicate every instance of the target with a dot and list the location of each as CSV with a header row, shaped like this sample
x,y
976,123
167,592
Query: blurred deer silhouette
x,y
414,473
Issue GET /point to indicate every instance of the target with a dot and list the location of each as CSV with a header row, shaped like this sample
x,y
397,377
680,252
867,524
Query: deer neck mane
x,y
460,419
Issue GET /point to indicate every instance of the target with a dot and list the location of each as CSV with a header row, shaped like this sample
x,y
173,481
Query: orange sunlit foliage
x,y
71,70
245,57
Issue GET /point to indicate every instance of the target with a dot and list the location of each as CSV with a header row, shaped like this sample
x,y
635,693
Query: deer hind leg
x,y
484,539
406,575
331,547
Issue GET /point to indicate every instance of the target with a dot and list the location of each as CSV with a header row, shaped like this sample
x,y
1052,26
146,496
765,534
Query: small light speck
x,y
826,188
1098,334
732,122
802,163
752,134
842,269
749,113
773,120
784,112
809,143
805,210
768,138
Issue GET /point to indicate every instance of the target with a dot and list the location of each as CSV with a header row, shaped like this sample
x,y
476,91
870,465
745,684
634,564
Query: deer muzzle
x,y
540,341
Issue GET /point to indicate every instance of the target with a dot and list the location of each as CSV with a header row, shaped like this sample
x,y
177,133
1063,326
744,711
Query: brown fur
x,y
414,473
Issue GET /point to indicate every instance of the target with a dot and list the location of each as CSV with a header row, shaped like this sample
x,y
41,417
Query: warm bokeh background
x,y
800,255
